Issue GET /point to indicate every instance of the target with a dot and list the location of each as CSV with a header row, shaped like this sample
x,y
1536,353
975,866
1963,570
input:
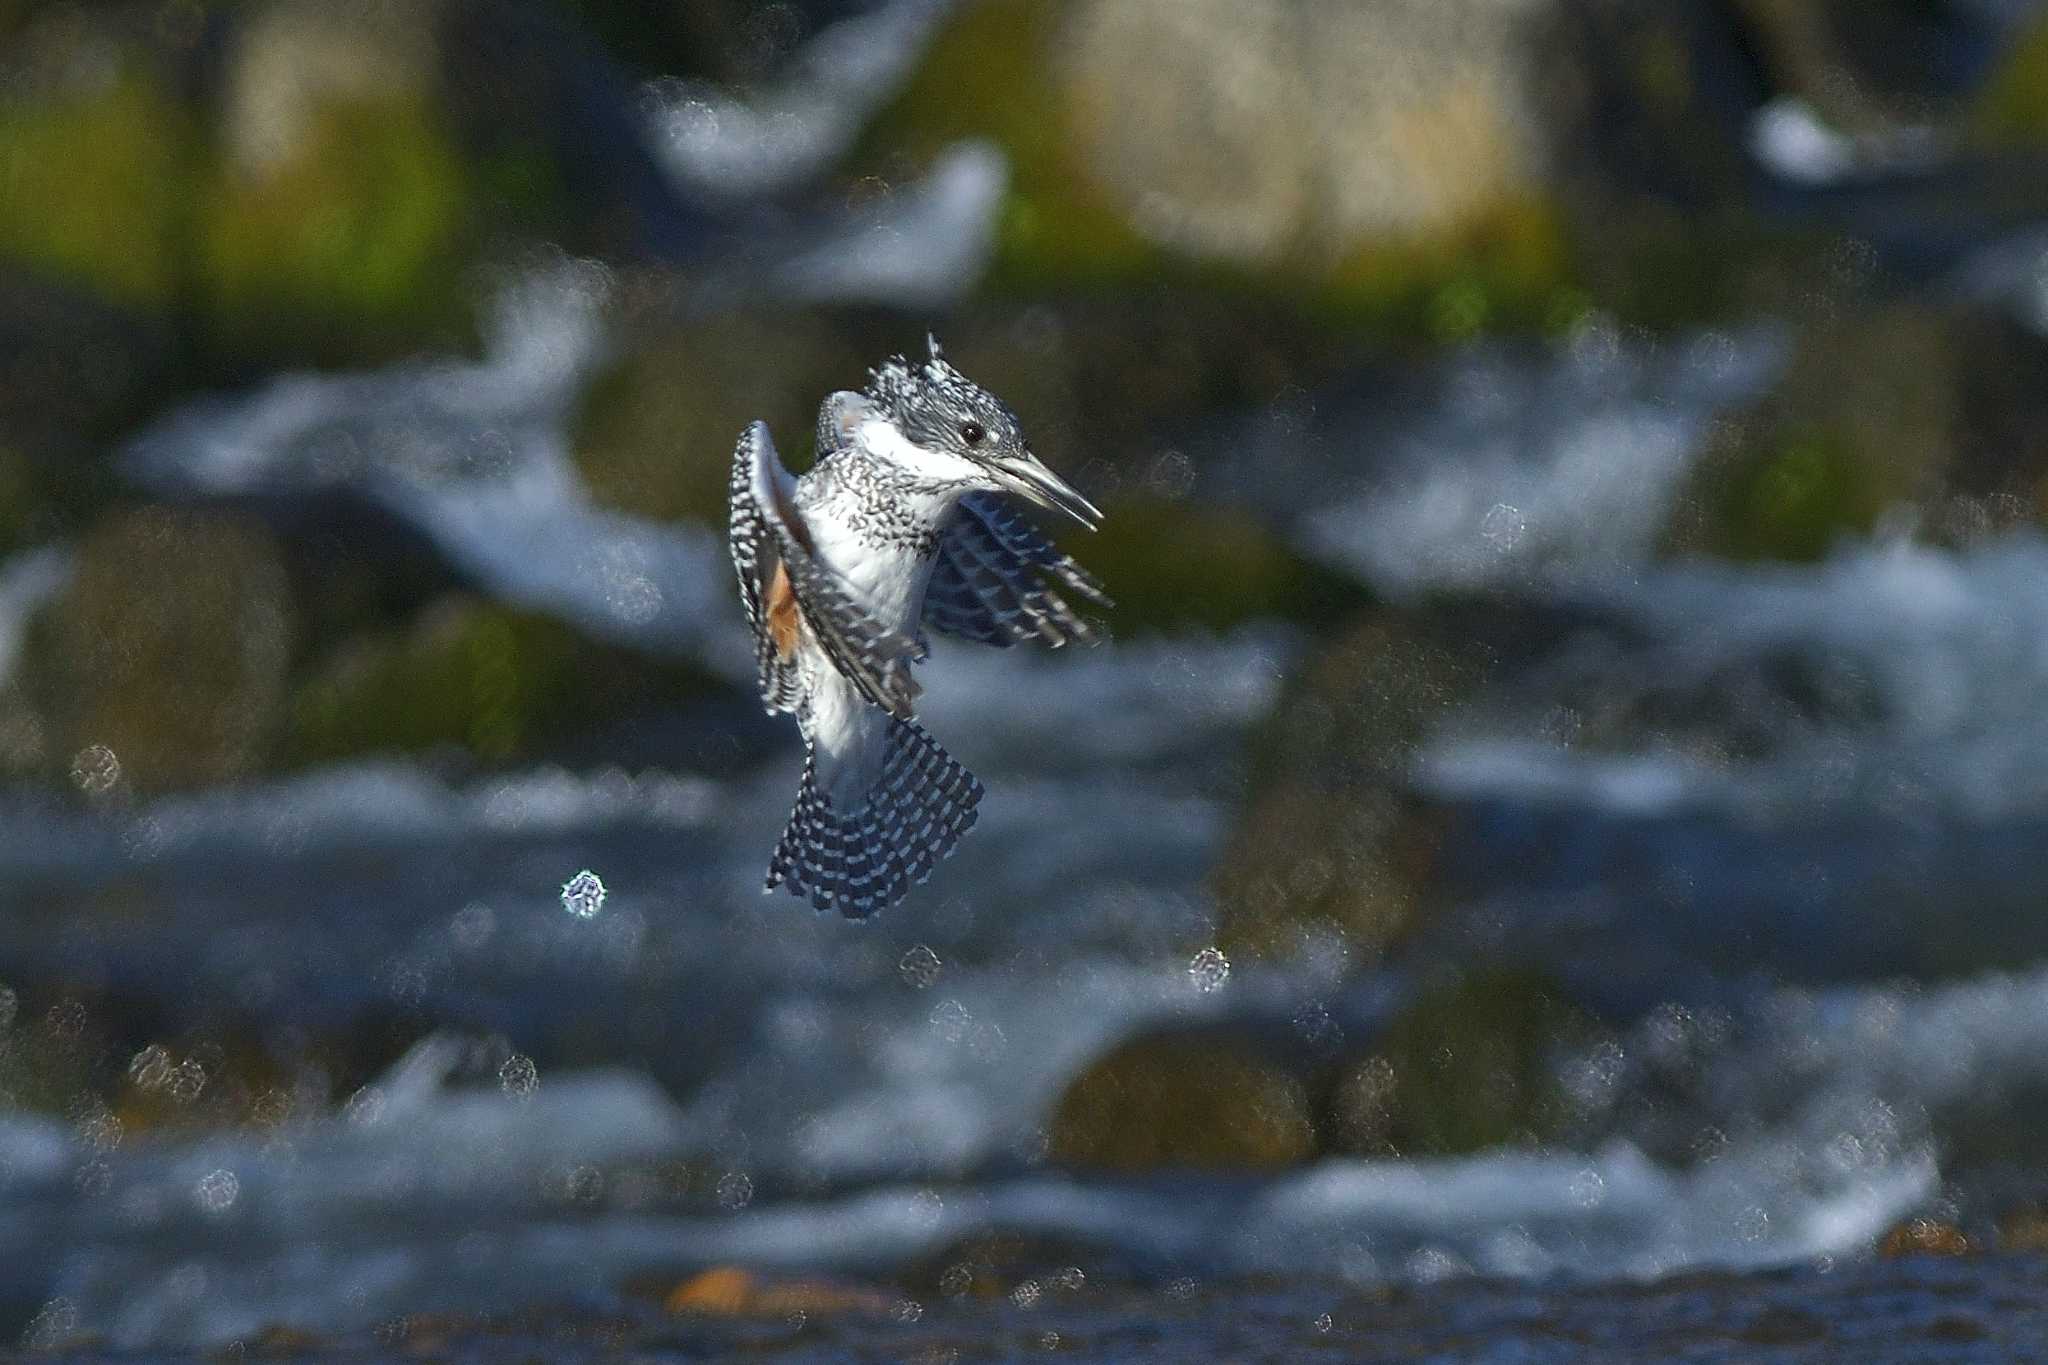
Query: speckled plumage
x,y
898,525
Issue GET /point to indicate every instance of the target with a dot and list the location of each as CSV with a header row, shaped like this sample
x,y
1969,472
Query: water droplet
x,y
907,1310
473,925
1209,969
217,1191
735,1190
1182,1288
1071,1278
1026,1294
919,967
926,1208
1588,1189
951,1019
1503,526
519,1077
364,1108
583,894
187,1080
957,1279
1048,1341
585,1185
150,1069
95,770
1323,1322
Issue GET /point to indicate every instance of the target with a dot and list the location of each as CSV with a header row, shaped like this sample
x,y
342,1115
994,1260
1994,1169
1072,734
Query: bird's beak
x,y
1025,475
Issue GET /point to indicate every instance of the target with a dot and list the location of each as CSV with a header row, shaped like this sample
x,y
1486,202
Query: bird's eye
x,y
972,432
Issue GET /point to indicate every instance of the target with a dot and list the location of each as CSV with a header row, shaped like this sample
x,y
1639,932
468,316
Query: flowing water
x,y
1820,953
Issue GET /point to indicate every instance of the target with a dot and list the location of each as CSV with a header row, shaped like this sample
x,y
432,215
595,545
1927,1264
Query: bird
x,y
903,522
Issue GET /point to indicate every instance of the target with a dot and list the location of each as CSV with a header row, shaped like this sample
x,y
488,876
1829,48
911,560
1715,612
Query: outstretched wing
x,y
782,579
990,582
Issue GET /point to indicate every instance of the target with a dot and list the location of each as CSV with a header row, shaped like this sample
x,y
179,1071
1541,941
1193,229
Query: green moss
x,y
1173,564
1795,501
2012,107
986,75
1469,1067
1873,410
1183,1101
365,225
92,185
499,683
1507,269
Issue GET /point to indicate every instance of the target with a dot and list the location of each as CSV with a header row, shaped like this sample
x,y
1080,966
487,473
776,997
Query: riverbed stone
x,y
1470,1065
1924,417
1183,1100
474,676
169,649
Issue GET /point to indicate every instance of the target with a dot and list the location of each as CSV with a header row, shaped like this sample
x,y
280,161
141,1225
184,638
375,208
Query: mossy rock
x,y
499,683
1191,1101
363,225
656,432
1469,1066
95,179
1094,150
170,647
1931,410
2011,108
985,76
1174,564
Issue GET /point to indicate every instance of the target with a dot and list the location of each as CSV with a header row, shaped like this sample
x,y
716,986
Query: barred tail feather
x,y
857,864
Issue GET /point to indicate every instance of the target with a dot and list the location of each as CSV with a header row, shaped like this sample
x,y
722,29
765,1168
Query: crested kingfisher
x,y
900,524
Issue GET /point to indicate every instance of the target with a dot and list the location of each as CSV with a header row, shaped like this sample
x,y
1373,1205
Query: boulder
x,y
1187,1100
1927,414
169,649
495,682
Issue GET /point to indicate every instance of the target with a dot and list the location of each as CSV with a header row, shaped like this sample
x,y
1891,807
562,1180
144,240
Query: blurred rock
x,y
656,433
75,370
1923,1237
1470,1065
498,683
2024,1230
96,156
170,648
1931,415
1328,844
1174,564
1320,125
340,194
729,1291
1184,1100
1370,158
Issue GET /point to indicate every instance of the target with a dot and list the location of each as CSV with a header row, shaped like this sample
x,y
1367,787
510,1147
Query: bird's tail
x,y
915,812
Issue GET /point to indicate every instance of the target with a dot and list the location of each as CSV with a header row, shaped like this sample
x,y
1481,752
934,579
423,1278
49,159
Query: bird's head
x,y
951,430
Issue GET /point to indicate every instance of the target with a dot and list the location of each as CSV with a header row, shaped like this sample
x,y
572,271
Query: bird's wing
x,y
780,576
997,580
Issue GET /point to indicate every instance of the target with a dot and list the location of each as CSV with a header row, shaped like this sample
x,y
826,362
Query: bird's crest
x,y
929,401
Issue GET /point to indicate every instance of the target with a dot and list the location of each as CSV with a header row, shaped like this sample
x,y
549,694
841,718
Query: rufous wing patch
x,y
781,614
